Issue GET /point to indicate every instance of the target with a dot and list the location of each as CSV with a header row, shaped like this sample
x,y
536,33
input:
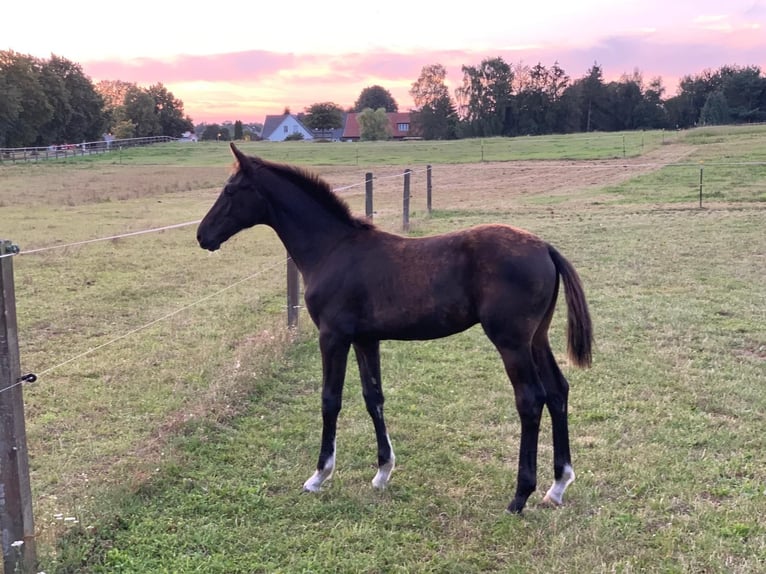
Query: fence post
x,y
428,188
16,521
368,195
701,185
292,293
406,201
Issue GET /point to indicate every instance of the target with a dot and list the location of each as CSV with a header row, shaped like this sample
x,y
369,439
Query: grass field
x,y
182,447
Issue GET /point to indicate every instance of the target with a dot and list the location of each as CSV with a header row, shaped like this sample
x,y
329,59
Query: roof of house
x,y
352,130
271,123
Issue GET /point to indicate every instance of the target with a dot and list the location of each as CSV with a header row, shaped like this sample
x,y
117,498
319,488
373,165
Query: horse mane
x,y
318,189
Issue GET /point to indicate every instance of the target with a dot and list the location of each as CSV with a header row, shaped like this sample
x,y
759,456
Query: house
x,y
399,122
278,128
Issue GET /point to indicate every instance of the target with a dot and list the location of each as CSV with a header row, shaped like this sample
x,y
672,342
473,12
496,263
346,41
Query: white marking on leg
x,y
314,484
555,493
384,472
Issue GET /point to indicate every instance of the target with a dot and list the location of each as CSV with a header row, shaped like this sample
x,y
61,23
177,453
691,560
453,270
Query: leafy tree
x,y
484,99
716,110
210,132
10,103
375,97
139,109
435,116
113,93
374,124
593,100
653,112
83,117
238,134
28,109
54,130
745,93
123,129
169,111
324,116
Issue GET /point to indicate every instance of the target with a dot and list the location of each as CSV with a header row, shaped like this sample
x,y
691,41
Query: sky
x,y
241,60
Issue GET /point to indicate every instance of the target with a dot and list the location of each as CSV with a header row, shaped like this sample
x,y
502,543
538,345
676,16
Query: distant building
x,y
278,128
188,137
399,122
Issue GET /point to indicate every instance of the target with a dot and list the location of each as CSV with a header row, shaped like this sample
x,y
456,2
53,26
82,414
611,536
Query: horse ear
x,y
242,159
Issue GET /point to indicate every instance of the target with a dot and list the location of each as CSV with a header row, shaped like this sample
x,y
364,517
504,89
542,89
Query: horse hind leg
x,y
556,399
530,397
368,359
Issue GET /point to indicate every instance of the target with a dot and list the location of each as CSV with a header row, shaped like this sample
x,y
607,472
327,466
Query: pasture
x,y
182,447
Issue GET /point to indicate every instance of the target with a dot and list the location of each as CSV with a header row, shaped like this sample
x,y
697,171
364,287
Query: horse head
x,y
240,205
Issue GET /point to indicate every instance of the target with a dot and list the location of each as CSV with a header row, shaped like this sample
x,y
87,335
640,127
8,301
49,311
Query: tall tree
x,y
169,111
716,110
375,97
435,115
484,99
113,93
139,109
323,117
745,92
374,124
54,130
28,109
85,118
593,100
10,103
238,131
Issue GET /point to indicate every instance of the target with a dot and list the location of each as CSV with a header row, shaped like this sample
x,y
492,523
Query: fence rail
x,y
30,154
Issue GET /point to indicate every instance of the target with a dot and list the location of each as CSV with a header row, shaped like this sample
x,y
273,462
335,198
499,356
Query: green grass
x,y
183,447
666,429
574,146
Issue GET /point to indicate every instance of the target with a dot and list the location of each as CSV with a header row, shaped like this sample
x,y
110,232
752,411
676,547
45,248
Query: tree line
x,y
51,101
495,98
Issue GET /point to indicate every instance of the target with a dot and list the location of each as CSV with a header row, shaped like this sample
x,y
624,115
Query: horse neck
x,y
306,228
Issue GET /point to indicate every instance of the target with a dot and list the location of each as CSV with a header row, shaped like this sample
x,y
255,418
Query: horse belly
x,y
418,316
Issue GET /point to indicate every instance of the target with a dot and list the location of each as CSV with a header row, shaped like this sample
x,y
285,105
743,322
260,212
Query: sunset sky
x,y
242,60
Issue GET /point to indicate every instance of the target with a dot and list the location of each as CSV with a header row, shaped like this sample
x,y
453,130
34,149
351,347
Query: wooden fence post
x,y
16,522
368,195
406,201
293,283
428,188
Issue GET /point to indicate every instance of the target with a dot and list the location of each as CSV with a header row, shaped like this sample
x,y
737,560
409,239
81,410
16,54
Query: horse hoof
x,y
314,484
514,508
383,476
550,500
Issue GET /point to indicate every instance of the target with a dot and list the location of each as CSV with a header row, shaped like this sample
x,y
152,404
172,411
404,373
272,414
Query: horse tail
x,y
579,326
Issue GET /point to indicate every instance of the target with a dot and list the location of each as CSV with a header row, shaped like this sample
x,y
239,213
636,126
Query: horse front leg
x,y
334,351
368,359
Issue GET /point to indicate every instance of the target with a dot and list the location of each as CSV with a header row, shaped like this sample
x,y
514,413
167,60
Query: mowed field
x,y
175,418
